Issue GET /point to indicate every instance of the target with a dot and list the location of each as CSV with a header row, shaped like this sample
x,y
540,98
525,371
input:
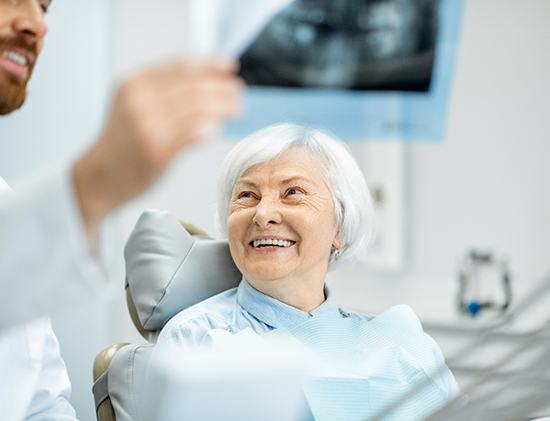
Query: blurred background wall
x,y
484,185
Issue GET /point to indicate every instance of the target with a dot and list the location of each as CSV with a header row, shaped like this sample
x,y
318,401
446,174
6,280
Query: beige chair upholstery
x,y
104,409
170,265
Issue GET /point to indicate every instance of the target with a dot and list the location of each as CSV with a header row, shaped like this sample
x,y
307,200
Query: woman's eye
x,y
245,195
294,191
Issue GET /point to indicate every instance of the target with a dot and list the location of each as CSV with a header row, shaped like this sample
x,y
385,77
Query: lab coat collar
x,y
276,313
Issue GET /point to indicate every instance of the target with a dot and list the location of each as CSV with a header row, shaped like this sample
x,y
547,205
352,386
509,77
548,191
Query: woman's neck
x,y
296,294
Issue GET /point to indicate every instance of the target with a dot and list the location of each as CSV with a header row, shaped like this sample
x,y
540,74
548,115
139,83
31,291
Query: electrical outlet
x,y
383,164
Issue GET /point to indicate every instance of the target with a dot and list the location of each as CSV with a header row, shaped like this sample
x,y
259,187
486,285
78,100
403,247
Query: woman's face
x,y
281,223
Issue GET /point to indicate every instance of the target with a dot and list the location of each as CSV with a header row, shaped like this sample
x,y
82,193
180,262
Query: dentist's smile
x,y
16,62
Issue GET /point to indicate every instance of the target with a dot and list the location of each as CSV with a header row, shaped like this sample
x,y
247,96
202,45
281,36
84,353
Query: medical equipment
x,y
515,386
478,288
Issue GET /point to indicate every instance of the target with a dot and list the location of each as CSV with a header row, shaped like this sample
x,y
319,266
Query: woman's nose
x,y
267,213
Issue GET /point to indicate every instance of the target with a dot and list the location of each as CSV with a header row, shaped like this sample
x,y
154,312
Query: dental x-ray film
x,y
363,69
352,44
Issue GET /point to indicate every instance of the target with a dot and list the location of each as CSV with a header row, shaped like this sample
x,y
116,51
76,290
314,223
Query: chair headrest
x,y
168,269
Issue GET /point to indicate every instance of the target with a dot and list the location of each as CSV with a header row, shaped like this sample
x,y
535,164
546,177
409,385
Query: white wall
x,y
486,184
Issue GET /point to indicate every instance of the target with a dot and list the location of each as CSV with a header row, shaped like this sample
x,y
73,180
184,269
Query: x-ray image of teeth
x,y
353,44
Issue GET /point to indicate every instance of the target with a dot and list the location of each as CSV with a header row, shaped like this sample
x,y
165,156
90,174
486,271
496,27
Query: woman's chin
x,y
266,274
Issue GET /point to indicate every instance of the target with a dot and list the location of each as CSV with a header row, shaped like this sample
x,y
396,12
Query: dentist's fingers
x,y
156,113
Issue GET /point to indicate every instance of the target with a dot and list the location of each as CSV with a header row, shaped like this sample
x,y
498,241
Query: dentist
x,y
49,229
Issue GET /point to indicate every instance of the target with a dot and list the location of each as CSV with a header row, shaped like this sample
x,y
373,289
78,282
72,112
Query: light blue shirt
x,y
390,352
240,308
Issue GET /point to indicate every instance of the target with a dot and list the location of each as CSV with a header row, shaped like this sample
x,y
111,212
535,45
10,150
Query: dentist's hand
x,y
156,113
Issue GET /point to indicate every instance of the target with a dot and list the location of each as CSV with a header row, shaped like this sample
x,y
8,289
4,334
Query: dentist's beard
x,y
12,95
13,91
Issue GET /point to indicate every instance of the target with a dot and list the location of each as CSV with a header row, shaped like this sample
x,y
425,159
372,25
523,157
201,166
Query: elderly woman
x,y
294,204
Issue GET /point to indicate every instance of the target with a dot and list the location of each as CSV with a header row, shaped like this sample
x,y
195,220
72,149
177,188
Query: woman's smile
x,y
266,245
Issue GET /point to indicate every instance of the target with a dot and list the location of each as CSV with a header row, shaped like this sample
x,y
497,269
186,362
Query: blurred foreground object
x,y
157,113
240,378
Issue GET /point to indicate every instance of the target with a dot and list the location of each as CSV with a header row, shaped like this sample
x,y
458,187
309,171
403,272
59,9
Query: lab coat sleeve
x,y
50,401
46,261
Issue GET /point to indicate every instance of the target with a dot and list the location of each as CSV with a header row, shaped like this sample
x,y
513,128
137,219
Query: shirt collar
x,y
276,313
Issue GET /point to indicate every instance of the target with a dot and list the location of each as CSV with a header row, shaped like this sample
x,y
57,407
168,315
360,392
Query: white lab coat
x,y
45,259
45,264
34,385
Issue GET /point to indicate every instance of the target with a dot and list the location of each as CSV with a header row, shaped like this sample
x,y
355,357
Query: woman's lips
x,y
270,249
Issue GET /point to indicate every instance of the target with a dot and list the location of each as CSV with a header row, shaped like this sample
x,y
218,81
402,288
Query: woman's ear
x,y
337,243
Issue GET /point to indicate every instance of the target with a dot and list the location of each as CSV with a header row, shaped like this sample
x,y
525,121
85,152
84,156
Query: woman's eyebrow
x,y
246,182
295,178
287,180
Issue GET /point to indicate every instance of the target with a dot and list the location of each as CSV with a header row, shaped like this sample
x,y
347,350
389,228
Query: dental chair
x,y
170,265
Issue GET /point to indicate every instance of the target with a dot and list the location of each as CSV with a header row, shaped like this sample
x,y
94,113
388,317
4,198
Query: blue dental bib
x,y
363,366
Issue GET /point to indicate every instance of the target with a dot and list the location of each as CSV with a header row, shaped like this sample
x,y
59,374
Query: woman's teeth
x,y
270,242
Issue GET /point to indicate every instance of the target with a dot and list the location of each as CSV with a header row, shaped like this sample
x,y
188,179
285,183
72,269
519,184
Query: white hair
x,y
352,200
